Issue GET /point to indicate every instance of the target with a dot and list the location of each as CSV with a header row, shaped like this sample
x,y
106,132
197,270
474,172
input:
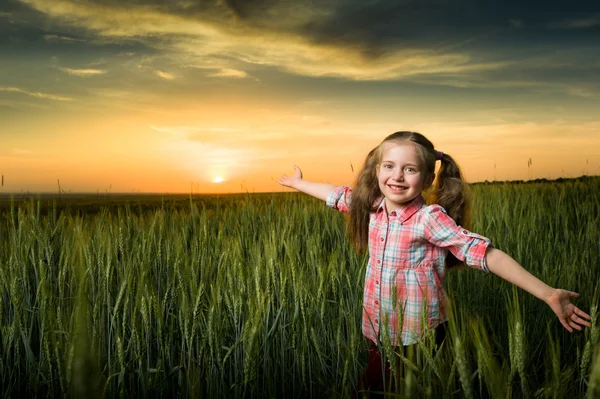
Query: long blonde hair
x,y
449,190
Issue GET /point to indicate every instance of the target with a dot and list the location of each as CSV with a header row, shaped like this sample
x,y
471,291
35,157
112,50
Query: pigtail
x,y
451,193
365,193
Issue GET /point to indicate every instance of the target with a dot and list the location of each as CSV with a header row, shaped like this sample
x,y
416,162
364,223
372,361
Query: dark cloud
x,y
499,31
376,25
27,32
385,24
13,6
249,8
15,17
240,8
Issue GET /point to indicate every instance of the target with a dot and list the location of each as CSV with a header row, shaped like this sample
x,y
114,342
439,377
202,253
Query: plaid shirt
x,y
406,269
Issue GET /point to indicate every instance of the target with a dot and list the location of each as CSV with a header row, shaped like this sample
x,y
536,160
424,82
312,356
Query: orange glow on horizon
x,y
234,162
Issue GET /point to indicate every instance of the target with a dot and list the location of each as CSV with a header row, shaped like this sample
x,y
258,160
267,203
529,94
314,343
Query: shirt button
x,y
381,239
376,321
393,213
465,231
376,303
377,282
378,261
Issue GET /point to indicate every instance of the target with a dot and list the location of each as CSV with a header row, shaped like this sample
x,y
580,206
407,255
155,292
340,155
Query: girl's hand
x,y
570,316
287,181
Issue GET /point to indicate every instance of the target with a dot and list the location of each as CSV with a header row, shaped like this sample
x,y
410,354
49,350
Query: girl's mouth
x,y
397,189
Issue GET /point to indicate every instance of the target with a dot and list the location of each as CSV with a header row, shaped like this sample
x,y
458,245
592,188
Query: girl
x,y
411,244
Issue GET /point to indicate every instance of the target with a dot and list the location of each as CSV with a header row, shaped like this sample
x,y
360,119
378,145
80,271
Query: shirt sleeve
x,y
340,199
442,231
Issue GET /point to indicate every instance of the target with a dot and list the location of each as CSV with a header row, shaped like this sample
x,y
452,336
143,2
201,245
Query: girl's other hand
x,y
570,316
291,181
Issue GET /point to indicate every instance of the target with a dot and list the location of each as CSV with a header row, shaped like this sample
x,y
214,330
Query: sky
x,y
216,96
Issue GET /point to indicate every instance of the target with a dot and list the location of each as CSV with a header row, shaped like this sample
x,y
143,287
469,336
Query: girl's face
x,y
401,174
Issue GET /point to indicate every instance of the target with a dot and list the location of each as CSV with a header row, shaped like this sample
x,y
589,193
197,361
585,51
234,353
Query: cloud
x,y
61,38
114,20
229,73
165,75
83,72
345,39
37,94
578,23
296,55
208,33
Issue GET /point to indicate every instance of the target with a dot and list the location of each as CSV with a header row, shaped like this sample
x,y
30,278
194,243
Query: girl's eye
x,y
409,169
387,166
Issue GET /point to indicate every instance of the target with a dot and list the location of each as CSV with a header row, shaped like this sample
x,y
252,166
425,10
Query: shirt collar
x,y
405,212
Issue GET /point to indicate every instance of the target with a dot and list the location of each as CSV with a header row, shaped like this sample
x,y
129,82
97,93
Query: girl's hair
x,y
449,189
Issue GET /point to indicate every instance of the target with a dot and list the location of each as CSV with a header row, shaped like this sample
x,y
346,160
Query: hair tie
x,y
439,155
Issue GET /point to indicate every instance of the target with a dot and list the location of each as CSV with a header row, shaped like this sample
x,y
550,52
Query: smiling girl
x,y
411,244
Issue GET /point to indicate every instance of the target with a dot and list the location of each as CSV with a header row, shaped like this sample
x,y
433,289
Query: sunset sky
x,y
226,95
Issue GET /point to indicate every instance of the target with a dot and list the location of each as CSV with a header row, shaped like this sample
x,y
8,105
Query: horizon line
x,y
153,193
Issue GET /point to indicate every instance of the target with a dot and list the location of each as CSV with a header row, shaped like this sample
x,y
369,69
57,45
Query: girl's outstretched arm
x,y
570,316
317,190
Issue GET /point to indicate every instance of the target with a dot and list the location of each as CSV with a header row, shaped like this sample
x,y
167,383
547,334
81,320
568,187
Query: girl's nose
x,y
399,175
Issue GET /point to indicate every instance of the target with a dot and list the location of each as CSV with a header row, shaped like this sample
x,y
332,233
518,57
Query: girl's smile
x,y
397,188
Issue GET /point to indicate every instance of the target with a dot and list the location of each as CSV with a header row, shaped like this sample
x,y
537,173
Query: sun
x,y
218,179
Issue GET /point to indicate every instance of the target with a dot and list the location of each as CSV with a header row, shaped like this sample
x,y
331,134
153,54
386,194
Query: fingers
x,y
581,313
576,320
574,324
282,179
577,317
569,324
287,181
566,325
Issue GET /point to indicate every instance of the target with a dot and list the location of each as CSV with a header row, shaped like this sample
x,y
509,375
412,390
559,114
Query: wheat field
x,y
260,296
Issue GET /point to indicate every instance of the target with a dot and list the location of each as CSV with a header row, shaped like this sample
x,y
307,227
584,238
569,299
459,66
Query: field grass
x,y
260,296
